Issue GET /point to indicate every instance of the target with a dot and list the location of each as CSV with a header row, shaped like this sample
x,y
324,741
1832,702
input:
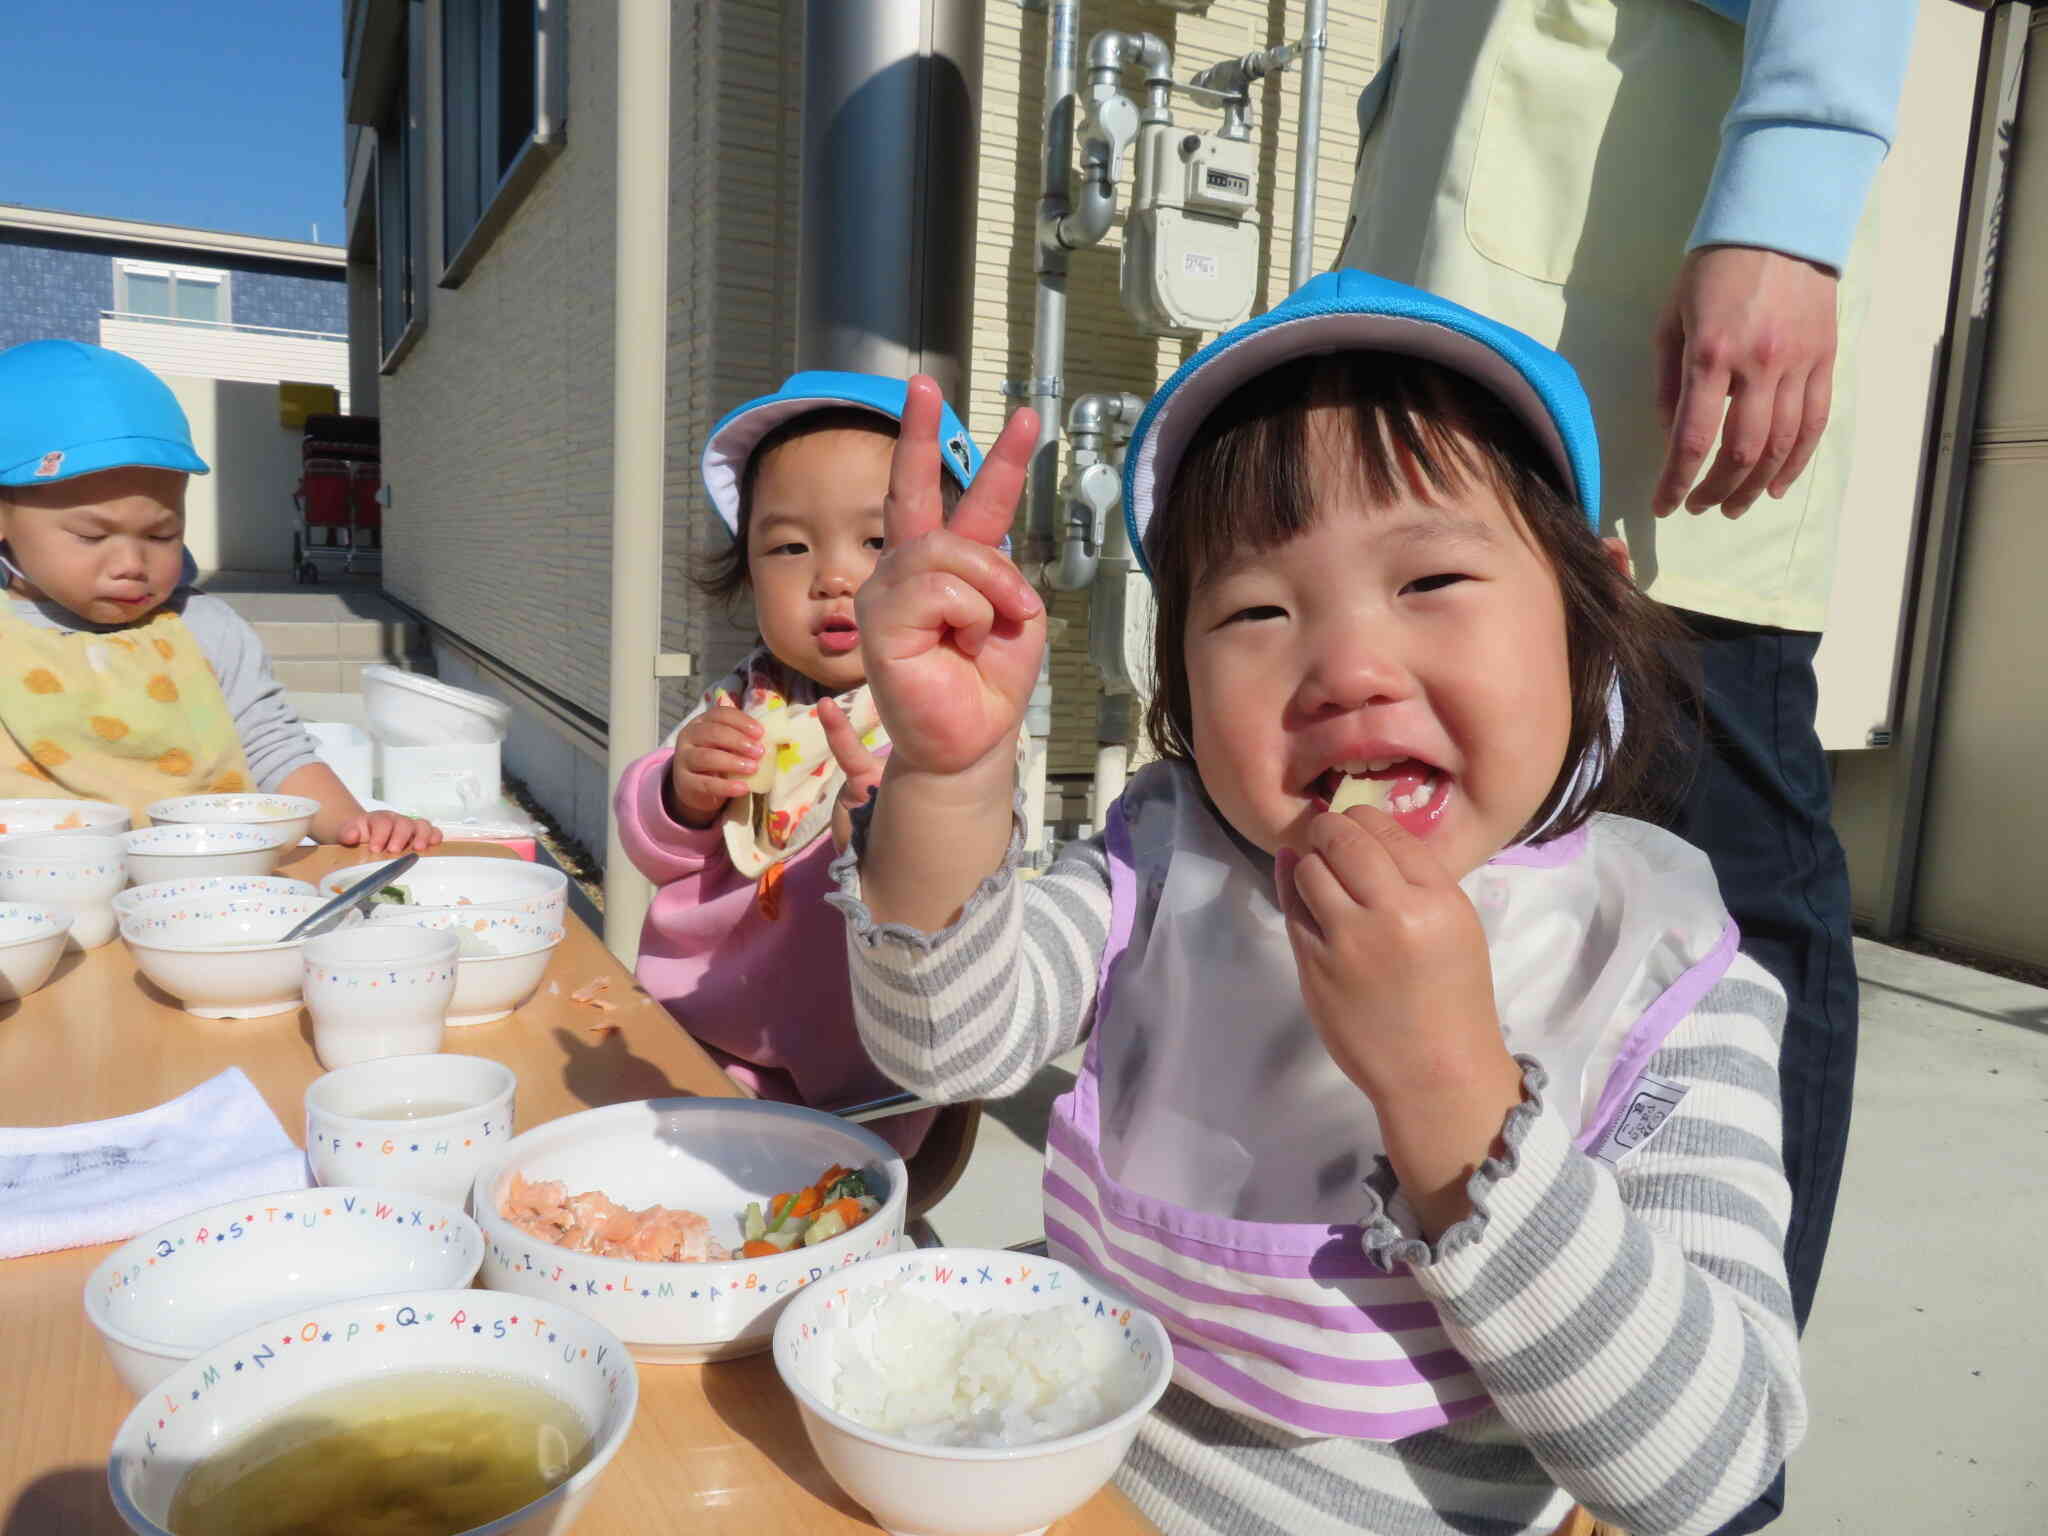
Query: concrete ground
x,y
1926,1366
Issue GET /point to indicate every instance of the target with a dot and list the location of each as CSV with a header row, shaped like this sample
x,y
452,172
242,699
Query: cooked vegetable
x,y
838,1202
395,895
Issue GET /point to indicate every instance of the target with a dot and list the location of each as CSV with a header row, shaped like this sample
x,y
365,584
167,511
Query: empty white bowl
x,y
408,709
179,1289
31,943
410,1122
76,872
289,814
210,888
378,989
502,958
711,1156
951,1490
222,957
178,850
221,1395
538,890
60,815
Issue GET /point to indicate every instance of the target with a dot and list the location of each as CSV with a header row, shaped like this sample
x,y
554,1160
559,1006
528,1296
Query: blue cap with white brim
x,y
739,432
1358,312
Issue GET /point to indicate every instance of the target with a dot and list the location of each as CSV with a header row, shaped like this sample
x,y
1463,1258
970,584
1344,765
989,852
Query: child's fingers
x,y
717,763
854,759
1414,858
912,506
989,507
1318,901
732,717
901,592
1356,859
721,736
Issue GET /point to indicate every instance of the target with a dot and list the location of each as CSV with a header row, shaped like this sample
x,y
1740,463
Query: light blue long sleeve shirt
x,y
1810,124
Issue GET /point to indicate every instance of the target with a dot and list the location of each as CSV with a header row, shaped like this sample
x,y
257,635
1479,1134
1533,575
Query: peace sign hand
x,y
951,632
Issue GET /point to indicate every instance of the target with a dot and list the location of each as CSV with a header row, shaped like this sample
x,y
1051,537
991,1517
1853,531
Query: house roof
x,y
174,237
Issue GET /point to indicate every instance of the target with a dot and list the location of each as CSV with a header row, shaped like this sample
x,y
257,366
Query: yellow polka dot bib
x,y
132,715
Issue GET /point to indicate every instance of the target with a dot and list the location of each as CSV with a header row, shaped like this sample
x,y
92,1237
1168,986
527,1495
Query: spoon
x,y
329,915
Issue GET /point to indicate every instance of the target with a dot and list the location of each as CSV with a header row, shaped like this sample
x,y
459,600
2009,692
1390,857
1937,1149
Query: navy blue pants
x,y
1758,805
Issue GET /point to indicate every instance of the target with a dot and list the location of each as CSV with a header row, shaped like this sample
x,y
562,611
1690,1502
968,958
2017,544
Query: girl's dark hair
x,y
722,575
1244,485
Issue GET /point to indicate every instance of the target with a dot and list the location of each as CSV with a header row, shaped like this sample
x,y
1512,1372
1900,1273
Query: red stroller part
x,y
340,518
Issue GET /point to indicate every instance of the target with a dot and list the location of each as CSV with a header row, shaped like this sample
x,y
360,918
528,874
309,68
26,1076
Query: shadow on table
x,y
604,1070
72,1500
751,1401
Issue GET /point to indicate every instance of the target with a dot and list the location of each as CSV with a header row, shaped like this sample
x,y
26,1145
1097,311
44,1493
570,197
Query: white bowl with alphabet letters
x,y
424,1123
179,1289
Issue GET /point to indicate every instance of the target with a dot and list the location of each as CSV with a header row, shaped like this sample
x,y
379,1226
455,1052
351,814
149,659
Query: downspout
x,y
1308,142
639,432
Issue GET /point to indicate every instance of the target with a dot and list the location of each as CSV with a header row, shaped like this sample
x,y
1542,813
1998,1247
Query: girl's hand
x,y
863,770
379,832
716,754
1397,980
951,632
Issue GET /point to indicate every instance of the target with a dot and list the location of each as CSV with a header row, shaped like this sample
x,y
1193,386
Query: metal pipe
x,y
1112,123
891,136
639,432
2005,52
1097,428
1308,142
1045,388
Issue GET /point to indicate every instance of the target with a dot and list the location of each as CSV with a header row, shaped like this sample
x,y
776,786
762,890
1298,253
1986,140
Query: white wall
x,y
1919,196
241,516
210,352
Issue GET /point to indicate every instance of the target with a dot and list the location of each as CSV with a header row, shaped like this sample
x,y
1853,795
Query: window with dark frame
x,y
401,202
501,113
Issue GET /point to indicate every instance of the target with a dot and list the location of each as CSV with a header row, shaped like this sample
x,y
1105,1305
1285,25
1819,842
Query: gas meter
x,y
1191,240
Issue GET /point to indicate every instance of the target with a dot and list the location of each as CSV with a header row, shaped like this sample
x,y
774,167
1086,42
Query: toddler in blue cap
x,y
1426,1100
121,682
733,817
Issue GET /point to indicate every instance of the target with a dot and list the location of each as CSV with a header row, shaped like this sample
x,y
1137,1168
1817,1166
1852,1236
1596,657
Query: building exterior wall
x,y
497,422
58,286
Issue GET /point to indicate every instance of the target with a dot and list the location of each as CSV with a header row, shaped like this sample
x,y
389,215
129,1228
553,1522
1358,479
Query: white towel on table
x,y
66,1186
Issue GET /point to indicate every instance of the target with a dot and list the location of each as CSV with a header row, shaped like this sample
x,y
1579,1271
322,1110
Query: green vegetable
x,y
831,1224
396,895
854,1184
751,1224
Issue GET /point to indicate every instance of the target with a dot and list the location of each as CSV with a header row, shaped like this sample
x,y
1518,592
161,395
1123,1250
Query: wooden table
x,y
715,1449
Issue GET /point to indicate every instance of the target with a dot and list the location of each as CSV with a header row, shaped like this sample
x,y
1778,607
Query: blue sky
x,y
224,114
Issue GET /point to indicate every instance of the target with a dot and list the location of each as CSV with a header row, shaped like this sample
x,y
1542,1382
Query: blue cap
x,y
1358,312
67,409
739,432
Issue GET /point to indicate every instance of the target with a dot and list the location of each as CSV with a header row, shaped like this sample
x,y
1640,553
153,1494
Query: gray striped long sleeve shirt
x,y
1631,1324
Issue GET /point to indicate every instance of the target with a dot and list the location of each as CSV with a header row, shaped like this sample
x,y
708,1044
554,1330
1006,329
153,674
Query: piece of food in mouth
x,y
1356,791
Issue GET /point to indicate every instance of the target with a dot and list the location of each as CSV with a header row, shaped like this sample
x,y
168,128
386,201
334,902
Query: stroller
x,y
341,520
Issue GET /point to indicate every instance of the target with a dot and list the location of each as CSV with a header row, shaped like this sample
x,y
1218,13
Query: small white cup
x,y
364,1126
378,990
75,872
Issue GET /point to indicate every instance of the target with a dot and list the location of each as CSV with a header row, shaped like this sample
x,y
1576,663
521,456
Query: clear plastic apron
x,y
1210,1158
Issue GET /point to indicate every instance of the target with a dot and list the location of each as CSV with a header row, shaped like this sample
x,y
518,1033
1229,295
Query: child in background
x,y
1427,1100
122,682
732,818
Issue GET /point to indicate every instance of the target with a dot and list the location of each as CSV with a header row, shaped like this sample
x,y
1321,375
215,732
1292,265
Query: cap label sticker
x,y
50,464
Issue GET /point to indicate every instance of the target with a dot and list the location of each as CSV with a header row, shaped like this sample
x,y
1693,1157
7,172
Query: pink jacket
x,y
768,995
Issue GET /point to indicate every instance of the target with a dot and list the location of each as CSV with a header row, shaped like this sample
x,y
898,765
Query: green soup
x,y
426,1453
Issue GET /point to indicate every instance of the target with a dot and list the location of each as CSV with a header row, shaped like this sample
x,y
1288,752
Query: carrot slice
x,y
849,1210
758,1248
806,1202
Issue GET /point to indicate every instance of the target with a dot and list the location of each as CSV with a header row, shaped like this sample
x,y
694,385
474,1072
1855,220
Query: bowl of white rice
x,y
970,1391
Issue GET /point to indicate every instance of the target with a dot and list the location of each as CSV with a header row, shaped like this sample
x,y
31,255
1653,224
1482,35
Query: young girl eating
x,y
1426,1099
731,817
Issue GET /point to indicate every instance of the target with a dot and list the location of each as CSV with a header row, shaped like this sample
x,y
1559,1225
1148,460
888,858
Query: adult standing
x,y
1673,194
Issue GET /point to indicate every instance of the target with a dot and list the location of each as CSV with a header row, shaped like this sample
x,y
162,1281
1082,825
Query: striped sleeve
x,y
973,1011
1633,1324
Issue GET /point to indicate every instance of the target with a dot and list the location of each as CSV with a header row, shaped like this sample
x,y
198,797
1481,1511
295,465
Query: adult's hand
x,y
1745,354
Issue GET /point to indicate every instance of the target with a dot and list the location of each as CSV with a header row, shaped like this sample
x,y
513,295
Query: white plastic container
x,y
348,750
454,779
406,709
